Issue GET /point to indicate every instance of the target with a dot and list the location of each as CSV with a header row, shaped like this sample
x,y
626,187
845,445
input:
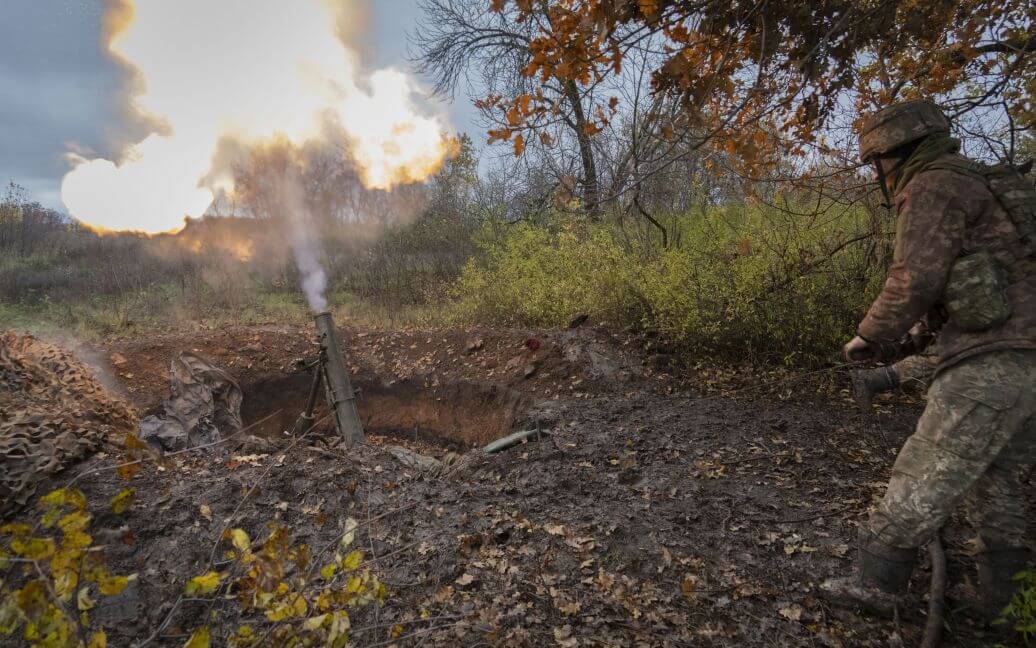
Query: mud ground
x,y
652,515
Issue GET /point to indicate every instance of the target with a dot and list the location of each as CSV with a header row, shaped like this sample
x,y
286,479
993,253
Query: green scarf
x,y
930,148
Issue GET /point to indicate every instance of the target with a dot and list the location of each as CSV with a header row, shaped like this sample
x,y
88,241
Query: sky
x,y
58,91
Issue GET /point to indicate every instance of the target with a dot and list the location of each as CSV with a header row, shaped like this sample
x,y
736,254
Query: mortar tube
x,y
305,422
341,398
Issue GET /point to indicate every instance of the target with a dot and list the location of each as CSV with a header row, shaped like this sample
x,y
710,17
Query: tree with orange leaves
x,y
762,79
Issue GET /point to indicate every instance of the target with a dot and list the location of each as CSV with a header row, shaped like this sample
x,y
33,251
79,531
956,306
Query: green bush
x,y
745,283
530,275
1020,615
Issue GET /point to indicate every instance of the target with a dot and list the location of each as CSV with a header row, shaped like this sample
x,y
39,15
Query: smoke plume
x,y
211,71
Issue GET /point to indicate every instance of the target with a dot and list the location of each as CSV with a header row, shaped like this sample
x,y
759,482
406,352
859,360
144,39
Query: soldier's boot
x,y
996,584
868,382
880,584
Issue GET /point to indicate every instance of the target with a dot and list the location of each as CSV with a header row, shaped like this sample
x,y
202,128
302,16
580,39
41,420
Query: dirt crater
x,y
457,414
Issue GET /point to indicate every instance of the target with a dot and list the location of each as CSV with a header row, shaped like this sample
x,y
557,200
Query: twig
x,y
936,594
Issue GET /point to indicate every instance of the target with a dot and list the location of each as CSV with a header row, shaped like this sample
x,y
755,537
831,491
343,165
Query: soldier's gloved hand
x,y
859,350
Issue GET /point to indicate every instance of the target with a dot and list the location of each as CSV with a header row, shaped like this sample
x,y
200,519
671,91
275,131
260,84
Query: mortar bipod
x,y
305,421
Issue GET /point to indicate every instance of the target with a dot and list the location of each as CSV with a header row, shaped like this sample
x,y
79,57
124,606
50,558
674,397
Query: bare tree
x,y
460,41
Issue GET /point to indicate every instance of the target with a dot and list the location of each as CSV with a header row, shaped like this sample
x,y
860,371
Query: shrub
x,y
531,275
745,283
1020,615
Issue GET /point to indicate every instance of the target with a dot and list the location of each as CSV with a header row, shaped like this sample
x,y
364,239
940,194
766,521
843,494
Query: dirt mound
x,y
53,412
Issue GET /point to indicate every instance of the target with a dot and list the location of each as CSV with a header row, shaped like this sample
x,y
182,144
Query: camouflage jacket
x,y
943,214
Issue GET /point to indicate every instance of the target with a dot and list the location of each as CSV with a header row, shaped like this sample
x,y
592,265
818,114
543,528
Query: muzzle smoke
x,y
214,75
305,247
213,71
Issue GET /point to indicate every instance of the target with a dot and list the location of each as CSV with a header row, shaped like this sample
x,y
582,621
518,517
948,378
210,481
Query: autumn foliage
x,y
761,79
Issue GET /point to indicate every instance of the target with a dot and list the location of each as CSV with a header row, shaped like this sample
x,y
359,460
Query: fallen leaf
x,y
123,501
792,612
200,638
554,529
349,532
206,512
239,539
689,587
83,600
839,551
204,584
563,637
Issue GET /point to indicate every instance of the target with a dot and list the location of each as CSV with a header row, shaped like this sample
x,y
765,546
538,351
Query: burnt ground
x,y
652,514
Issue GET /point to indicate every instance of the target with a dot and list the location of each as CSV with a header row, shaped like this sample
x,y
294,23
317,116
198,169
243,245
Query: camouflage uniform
x,y
916,369
914,372
977,436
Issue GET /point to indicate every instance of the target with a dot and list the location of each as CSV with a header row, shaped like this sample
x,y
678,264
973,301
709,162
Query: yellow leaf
x,y
339,626
204,584
296,607
240,540
9,617
199,639
64,497
50,518
16,529
327,572
65,581
315,623
519,146
83,600
33,548
74,522
349,533
123,501
353,560
355,585
76,540
244,637
325,601
98,640
32,600
113,585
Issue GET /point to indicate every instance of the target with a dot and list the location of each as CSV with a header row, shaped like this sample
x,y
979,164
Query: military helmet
x,y
899,124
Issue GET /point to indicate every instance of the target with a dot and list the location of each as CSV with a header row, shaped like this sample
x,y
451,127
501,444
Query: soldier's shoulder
x,y
949,172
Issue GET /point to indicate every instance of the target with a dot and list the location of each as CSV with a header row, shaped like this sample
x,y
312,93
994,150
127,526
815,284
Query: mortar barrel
x,y
341,397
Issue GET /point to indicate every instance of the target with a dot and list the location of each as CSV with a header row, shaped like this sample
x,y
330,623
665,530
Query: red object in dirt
x,y
533,344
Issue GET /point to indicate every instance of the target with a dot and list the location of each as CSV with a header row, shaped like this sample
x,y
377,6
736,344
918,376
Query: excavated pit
x,y
456,415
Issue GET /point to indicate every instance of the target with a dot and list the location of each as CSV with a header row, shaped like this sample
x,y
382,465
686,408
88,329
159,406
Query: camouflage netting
x,y
53,412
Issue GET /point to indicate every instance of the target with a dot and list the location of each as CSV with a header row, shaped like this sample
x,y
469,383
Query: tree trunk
x,y
591,192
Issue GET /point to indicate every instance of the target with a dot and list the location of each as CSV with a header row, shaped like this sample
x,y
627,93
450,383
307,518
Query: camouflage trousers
x,y
975,443
916,370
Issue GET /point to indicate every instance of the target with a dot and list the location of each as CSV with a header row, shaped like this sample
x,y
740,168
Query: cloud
x,y
56,91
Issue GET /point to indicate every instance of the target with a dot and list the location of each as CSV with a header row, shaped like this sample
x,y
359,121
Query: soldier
x,y
914,370
965,260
